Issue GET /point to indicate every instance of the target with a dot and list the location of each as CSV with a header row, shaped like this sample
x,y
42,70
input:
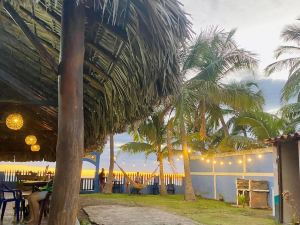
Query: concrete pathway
x,y
124,215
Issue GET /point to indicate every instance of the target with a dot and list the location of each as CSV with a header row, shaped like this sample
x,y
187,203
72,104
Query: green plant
x,y
85,222
242,200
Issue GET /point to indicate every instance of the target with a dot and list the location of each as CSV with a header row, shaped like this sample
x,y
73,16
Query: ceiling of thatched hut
x,y
130,65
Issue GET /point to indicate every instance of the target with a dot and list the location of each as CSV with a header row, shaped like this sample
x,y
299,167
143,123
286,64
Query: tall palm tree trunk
x,y
109,184
70,143
162,188
203,134
189,194
225,128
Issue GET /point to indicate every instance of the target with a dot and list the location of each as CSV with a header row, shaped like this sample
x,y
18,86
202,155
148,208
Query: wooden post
x,y
70,143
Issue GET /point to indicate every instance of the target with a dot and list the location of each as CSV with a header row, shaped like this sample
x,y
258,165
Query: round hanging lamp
x,y
35,148
30,140
14,121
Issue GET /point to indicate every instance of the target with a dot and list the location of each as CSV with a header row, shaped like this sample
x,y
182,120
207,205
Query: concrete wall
x,y
290,176
215,180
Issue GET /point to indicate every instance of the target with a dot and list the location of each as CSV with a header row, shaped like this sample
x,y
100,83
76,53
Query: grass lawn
x,y
207,212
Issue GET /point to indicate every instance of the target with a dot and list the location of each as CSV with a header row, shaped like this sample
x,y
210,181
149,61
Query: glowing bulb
x,y
221,163
208,161
181,156
202,158
259,156
30,140
35,148
230,163
177,159
215,161
240,162
249,160
14,121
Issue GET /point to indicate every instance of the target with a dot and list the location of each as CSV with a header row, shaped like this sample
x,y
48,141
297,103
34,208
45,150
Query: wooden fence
x,y
88,184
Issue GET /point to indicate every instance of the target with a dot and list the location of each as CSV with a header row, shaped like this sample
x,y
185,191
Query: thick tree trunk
x,y
162,188
189,194
203,134
109,183
70,143
225,128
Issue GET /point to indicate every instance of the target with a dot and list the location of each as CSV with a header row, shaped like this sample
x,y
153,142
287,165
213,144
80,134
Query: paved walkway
x,y
124,215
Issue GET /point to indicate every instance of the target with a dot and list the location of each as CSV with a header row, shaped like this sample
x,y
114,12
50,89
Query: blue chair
x,y
17,198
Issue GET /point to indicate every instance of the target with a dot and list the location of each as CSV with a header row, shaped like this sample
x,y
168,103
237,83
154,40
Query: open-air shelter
x,y
79,70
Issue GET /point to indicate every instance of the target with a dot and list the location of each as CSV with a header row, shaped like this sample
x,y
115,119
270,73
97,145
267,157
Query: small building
x,y
215,176
286,177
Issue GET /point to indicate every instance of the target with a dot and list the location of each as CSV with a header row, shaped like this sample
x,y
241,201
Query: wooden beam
x,y
33,39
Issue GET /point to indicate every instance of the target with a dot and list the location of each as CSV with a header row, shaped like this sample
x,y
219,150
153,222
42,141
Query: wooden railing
x,y
88,184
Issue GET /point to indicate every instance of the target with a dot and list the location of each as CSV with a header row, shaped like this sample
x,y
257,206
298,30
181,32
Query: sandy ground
x,y
124,215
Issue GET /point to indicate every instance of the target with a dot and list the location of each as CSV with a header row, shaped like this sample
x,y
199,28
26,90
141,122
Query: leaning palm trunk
x,y
203,122
225,128
189,194
162,188
109,183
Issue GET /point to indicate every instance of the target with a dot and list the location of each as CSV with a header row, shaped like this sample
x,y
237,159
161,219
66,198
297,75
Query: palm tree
x,y
109,183
214,56
184,105
150,137
291,35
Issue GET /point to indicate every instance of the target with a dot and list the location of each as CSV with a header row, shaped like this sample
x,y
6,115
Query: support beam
x,y
70,143
33,39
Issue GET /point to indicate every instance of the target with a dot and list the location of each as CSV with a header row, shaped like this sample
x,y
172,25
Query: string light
x,y
240,162
181,156
230,163
177,159
221,163
215,162
202,158
249,160
208,161
259,156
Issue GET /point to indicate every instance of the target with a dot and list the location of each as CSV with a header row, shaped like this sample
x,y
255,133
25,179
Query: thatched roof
x,y
130,65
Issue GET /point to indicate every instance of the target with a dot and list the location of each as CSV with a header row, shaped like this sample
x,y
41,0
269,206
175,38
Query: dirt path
x,y
124,215
101,212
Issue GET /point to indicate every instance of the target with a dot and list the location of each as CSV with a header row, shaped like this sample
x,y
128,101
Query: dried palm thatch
x,y
131,64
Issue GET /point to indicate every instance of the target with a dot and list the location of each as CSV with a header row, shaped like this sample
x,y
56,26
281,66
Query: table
x,y
35,183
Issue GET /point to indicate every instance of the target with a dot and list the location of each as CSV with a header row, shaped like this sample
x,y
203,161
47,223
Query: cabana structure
x,y
78,70
287,178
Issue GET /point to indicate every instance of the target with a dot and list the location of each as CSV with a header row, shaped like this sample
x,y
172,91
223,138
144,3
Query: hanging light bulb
x,y
215,162
259,156
221,163
30,140
208,161
240,162
249,160
202,158
35,148
14,121
230,163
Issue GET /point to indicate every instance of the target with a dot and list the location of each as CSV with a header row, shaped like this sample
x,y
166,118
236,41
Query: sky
x,y
259,24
